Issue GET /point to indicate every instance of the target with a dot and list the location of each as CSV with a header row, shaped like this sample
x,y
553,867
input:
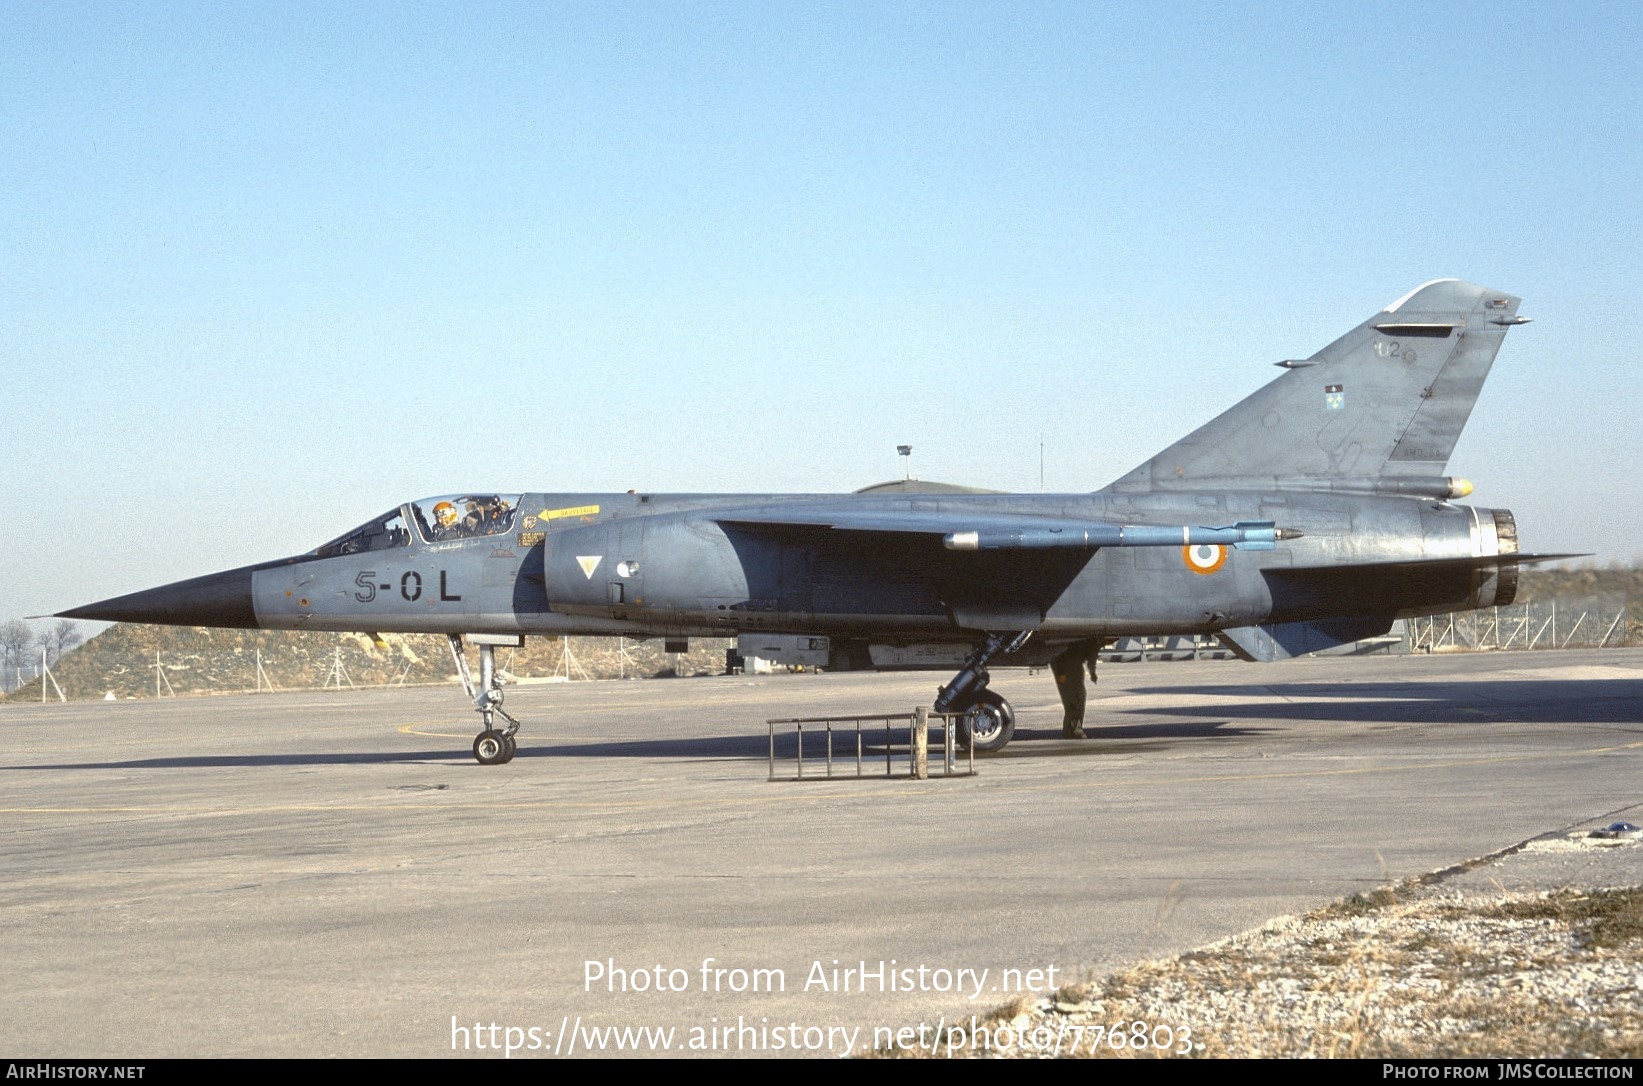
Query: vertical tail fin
x,y
1386,401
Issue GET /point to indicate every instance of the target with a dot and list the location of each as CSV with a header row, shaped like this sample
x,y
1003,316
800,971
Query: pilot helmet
x,y
445,514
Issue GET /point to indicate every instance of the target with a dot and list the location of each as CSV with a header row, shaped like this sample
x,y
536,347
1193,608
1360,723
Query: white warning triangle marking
x,y
589,563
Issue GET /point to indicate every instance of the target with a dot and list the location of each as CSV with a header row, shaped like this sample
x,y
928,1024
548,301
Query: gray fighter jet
x,y
1312,514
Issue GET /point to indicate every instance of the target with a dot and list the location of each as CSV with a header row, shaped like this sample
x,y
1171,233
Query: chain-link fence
x,y
13,677
1573,622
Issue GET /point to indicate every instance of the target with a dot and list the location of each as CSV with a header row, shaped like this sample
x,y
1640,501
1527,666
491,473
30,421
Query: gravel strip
x,y
1534,952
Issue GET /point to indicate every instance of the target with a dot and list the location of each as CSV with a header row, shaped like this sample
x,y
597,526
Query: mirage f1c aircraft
x,y
1312,514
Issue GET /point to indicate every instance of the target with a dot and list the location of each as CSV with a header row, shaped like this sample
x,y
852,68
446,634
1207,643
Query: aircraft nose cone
x,y
217,599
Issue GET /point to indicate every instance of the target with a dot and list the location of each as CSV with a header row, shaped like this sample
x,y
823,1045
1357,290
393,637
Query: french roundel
x,y
1204,558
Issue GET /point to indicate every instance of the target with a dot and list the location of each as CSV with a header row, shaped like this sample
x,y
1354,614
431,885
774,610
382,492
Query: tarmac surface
x,y
325,873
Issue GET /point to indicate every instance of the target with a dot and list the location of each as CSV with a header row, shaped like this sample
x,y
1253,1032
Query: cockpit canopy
x,y
446,517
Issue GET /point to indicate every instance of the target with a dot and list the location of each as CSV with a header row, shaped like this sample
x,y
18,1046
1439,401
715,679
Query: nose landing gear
x,y
493,746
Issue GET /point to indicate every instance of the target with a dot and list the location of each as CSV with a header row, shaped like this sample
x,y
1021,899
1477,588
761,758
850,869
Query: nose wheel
x,y
493,745
494,748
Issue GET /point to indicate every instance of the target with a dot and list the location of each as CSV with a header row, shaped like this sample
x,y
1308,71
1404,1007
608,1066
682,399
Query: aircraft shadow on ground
x,y
252,761
1558,701
1528,701
1101,740
1027,742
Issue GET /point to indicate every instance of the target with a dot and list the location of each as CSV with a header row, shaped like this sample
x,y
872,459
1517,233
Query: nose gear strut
x,y
492,746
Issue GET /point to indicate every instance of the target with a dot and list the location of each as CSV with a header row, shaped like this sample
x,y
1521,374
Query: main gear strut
x,y
972,678
986,721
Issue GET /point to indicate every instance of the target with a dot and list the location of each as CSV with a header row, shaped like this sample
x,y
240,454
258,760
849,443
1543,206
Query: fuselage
x,y
683,565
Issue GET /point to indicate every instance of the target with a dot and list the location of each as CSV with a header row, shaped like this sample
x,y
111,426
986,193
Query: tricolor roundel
x,y
1204,557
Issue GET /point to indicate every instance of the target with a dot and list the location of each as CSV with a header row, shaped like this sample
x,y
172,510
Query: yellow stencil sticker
x,y
573,511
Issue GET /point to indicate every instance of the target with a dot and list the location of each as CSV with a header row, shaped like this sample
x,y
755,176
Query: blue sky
x,y
271,269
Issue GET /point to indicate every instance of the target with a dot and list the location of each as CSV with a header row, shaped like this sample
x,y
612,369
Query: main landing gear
x,y
987,722
492,746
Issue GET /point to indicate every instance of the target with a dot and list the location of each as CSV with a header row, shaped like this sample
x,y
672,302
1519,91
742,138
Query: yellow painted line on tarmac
x,y
414,727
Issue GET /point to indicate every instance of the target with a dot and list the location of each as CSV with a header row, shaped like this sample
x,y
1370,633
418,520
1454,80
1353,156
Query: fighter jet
x,y
1314,513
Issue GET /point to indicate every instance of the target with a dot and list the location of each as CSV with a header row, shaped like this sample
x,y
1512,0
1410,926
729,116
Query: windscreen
x,y
388,530
465,516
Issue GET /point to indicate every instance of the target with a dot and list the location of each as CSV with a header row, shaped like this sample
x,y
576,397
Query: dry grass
x,y
1407,971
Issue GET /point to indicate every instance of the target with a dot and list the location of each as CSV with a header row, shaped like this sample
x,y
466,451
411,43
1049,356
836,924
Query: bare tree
x,y
62,637
15,639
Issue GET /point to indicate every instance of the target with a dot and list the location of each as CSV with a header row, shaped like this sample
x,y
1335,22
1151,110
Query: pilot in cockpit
x,y
494,513
445,522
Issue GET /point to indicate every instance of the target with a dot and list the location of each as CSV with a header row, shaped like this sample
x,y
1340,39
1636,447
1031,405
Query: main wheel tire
x,y
491,748
513,748
987,725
